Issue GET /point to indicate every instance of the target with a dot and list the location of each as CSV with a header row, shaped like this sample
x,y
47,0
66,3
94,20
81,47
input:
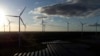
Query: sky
x,y
56,15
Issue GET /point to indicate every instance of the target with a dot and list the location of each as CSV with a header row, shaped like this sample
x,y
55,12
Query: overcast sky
x,y
55,13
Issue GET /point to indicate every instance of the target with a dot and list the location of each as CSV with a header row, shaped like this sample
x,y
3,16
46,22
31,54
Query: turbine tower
x,y
4,27
67,26
19,17
9,22
96,27
82,26
43,23
96,24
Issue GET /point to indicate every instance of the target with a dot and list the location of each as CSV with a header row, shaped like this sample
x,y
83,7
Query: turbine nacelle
x,y
19,17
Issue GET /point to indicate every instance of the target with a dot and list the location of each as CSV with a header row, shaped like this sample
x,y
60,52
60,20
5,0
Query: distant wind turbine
x,y
43,23
67,24
82,26
4,27
9,22
19,17
95,25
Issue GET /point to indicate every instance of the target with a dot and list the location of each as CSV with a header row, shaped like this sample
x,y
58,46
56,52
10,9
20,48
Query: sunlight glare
x,y
3,19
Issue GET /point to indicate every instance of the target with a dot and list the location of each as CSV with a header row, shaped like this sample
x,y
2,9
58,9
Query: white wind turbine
x,y
96,27
82,26
4,27
67,24
9,22
43,23
19,17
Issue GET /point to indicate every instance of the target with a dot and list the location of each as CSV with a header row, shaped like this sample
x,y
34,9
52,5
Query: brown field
x,y
31,41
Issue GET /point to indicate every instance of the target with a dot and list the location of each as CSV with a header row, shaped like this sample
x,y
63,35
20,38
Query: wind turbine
x,y
9,22
96,27
67,25
4,27
43,23
82,26
19,22
19,16
65,21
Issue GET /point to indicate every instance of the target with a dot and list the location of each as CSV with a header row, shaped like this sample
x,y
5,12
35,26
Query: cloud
x,y
85,2
35,20
72,1
71,8
36,11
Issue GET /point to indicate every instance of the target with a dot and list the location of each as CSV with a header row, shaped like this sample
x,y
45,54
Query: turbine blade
x,y
22,11
22,21
12,16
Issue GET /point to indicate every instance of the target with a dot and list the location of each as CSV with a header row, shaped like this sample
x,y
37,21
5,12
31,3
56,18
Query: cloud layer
x,y
73,8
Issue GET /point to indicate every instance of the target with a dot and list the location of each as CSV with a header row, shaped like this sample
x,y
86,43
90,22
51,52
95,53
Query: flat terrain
x,y
49,43
61,49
